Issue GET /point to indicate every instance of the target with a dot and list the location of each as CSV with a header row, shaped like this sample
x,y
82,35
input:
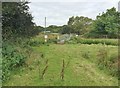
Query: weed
x,y
86,55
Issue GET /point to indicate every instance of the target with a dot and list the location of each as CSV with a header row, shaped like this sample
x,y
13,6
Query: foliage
x,y
39,28
11,59
80,25
17,23
99,41
17,26
109,62
52,41
54,28
105,25
66,29
16,20
108,23
35,42
94,41
94,34
73,40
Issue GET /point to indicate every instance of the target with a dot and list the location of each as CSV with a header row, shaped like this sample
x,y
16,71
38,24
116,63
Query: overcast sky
x,y
58,12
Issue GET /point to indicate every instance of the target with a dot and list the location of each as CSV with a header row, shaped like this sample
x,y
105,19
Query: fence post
x,y
62,71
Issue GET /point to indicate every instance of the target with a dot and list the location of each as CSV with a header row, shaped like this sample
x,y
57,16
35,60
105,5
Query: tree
x,y
16,20
54,28
108,23
39,28
80,25
66,29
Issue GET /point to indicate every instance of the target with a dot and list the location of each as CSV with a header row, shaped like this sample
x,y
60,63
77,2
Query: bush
x,y
92,35
35,42
52,41
11,59
73,40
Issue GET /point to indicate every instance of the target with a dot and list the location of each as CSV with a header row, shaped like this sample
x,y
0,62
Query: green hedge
x,y
99,41
94,41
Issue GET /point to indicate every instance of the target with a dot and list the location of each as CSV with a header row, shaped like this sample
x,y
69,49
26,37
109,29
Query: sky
x,y
58,12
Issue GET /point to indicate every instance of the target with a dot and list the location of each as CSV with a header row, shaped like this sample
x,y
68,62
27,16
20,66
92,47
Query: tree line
x,y
18,22
105,24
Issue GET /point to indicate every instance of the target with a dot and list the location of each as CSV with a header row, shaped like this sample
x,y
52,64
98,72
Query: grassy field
x,y
80,68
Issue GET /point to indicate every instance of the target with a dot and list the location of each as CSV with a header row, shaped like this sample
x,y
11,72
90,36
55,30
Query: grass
x,y
80,67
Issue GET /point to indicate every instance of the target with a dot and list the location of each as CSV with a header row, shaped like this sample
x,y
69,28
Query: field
x,y
67,48
81,67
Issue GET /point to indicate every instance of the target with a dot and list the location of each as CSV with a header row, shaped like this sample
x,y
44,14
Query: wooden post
x,y
45,32
45,69
62,71
43,73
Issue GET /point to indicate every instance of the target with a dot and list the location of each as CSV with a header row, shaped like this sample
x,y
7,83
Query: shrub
x,y
52,41
11,59
35,42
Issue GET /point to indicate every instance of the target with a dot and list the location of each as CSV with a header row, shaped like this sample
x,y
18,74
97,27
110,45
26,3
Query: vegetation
x,y
113,42
17,27
106,25
12,58
79,25
88,57
81,68
54,28
16,20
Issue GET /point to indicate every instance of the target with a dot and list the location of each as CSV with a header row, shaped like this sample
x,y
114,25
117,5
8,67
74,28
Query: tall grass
x,y
107,61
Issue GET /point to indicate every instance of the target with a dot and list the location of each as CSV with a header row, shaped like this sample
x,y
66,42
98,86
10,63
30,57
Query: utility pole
x,y
119,6
45,26
45,32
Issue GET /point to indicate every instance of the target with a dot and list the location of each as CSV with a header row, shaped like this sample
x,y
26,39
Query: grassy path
x,y
79,71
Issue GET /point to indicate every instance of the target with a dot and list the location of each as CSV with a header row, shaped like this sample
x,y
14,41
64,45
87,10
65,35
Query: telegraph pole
x,y
119,6
45,32
45,26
